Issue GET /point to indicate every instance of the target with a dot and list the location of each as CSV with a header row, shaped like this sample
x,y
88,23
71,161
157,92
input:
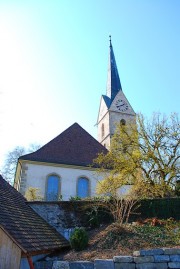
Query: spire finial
x,y
110,40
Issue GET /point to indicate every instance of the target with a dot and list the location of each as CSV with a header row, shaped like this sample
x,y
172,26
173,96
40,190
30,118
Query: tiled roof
x,y
74,146
25,226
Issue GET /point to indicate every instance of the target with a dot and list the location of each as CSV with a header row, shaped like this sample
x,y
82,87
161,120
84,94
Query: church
x,y
63,168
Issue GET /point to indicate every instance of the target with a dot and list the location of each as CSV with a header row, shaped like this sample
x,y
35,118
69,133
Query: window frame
x,y
59,186
89,189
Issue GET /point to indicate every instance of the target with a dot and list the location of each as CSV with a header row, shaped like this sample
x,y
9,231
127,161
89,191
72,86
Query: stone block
x,y
161,258
172,251
125,265
174,265
81,265
123,259
60,265
175,258
103,264
149,252
151,265
144,259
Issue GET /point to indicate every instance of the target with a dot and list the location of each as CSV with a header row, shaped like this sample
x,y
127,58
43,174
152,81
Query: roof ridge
x,y
74,146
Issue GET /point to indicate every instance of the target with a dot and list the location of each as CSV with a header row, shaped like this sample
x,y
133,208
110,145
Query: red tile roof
x,y
74,146
25,226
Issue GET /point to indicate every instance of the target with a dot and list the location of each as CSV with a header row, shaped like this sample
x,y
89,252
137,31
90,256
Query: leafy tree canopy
x,y
145,154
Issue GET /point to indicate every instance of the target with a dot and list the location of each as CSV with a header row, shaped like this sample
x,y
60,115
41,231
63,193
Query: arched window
x,y
83,187
102,129
52,191
122,122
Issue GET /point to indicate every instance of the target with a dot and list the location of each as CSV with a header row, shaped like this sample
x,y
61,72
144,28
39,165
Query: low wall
x,y
63,216
143,259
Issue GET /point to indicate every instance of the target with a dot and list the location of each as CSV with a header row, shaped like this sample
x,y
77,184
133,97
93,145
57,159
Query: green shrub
x,y
79,239
93,216
75,198
162,208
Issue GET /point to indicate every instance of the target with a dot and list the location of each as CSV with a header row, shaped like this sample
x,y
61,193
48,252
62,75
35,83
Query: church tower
x,y
114,107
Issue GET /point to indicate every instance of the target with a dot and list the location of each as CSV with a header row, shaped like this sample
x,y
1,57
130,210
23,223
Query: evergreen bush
x,y
79,239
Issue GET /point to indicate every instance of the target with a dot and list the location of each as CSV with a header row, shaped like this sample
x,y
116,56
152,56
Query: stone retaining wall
x,y
63,216
143,259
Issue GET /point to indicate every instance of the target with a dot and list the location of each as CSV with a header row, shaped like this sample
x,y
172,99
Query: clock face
x,y
121,105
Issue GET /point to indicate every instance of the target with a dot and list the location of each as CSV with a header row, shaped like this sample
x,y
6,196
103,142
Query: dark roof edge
x,y
21,157
63,163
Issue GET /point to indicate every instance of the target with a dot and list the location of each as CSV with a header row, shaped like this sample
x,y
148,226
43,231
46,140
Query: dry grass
x,y
113,240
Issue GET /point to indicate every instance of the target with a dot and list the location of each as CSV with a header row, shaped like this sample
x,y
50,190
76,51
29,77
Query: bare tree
x,y
9,167
159,143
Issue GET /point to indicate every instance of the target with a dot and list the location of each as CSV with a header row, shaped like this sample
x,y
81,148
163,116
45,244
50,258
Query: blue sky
x,y
54,56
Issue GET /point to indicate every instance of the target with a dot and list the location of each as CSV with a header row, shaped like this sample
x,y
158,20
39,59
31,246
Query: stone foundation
x,y
144,259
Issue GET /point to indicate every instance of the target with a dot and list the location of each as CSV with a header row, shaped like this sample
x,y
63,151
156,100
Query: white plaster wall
x,y
110,117
103,139
120,95
102,109
110,121
36,176
116,117
103,118
124,190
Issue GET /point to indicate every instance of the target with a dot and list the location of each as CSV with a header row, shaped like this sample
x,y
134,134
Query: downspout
x,y
29,258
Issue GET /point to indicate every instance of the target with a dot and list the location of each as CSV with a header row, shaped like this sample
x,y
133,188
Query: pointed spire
x,y
113,80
